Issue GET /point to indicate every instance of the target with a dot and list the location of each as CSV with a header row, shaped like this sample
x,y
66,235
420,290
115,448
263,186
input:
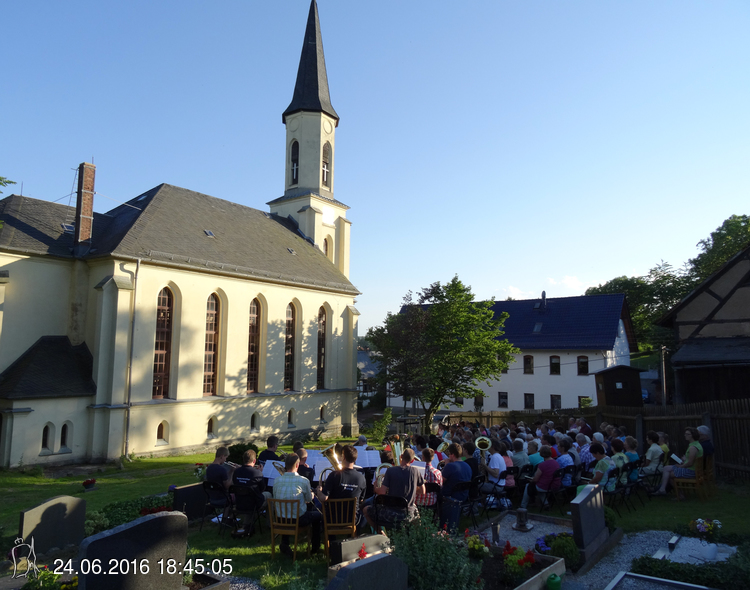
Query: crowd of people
x,y
461,460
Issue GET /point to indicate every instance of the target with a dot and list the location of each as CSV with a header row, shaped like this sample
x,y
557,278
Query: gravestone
x,y
57,522
147,540
348,549
190,499
372,573
589,529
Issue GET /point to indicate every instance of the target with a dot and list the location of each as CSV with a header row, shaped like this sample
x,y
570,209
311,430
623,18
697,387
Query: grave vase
x,y
709,551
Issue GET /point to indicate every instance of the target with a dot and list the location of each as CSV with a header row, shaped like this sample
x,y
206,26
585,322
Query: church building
x,y
179,321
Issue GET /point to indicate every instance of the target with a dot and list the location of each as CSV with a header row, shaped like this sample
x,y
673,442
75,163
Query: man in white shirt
x,y
493,469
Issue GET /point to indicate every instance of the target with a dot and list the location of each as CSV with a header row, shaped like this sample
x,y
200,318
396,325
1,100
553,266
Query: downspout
x,y
130,359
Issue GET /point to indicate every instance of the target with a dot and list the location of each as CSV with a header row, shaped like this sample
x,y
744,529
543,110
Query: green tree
x,y
728,239
5,182
441,346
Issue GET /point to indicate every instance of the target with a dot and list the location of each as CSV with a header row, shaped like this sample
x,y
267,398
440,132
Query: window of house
x,y
64,436
321,383
45,439
502,399
479,403
327,164
163,345
459,401
504,371
583,365
325,247
528,365
295,163
162,433
289,349
554,365
252,347
211,349
555,402
290,418
528,401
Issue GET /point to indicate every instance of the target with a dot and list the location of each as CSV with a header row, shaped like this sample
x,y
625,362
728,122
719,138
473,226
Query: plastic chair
x,y
339,518
218,501
284,517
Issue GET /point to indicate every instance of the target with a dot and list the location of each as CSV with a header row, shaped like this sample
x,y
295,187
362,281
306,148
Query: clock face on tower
x,y
327,127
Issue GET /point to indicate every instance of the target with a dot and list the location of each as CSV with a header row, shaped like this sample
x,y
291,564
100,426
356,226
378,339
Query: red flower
x,y
487,543
466,533
362,553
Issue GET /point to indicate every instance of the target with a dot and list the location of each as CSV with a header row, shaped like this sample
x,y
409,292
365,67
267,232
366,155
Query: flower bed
x,y
503,570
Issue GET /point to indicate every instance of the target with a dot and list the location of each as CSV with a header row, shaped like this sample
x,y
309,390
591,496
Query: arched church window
x,y
289,348
211,350
295,163
163,346
252,347
327,164
321,381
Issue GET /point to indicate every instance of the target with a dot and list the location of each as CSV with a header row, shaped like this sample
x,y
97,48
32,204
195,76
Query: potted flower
x,y
89,484
707,531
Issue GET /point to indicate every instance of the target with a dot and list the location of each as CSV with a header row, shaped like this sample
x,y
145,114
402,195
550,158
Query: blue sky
x,y
524,146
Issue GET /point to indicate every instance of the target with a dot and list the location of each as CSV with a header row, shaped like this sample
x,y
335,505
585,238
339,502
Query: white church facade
x,y
178,320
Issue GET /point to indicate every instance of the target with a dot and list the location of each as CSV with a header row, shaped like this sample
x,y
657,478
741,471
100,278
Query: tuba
x,y
442,447
484,444
330,454
396,447
379,476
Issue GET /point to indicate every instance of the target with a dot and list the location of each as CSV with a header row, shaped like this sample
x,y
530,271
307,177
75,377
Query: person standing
x,y
292,486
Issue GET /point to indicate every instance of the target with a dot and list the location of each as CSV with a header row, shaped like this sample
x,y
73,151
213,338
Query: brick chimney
x,y
85,203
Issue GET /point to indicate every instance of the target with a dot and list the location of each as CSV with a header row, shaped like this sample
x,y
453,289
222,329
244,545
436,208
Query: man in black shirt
x,y
346,483
304,469
403,480
247,476
217,471
270,453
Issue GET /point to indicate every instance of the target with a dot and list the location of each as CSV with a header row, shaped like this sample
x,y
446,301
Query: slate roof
x,y
166,224
368,366
587,322
713,351
311,88
51,368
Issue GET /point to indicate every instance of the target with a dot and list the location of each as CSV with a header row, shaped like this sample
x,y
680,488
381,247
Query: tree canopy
x,y
5,182
441,346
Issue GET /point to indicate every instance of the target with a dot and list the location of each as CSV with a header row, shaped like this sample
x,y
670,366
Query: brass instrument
x,y
396,447
379,476
330,454
484,444
280,467
442,447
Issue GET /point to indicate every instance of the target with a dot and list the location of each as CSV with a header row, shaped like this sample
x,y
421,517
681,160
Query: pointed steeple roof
x,y
311,89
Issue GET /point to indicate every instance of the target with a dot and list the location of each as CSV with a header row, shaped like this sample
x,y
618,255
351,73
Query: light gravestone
x,y
57,522
589,529
372,573
147,540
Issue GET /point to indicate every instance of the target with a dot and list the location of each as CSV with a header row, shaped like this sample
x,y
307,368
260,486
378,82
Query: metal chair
x,y
218,501
514,472
394,504
284,517
497,493
246,502
339,518
563,491
632,483
433,488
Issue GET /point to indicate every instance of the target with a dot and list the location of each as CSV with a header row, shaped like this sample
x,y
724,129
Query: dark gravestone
x,y
56,522
372,573
587,511
190,499
147,540
348,549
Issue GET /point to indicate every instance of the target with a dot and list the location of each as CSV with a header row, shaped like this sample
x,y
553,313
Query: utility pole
x,y
663,378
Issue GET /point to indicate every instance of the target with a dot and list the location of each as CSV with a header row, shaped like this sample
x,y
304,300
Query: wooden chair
x,y
284,517
699,485
339,518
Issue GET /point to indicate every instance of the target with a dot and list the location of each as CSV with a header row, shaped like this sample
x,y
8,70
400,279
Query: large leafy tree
x,y
729,238
5,182
441,346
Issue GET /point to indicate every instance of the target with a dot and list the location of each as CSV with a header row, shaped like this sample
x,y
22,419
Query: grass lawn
x,y
251,557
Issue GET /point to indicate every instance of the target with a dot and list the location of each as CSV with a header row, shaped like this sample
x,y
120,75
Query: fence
x,y
729,421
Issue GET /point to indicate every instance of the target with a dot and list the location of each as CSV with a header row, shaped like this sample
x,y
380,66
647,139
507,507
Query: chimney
x,y
85,203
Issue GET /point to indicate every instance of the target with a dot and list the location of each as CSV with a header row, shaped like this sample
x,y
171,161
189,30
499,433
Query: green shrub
x,y
119,513
565,546
610,519
436,560
236,452
95,522
380,428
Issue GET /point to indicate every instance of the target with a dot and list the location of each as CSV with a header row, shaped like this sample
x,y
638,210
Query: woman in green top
x,y
686,469
601,470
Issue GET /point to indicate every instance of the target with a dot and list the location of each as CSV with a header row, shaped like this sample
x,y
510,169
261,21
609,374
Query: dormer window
x,y
327,165
295,163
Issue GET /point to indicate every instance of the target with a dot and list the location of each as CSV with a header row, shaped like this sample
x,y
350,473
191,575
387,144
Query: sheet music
x,y
320,465
419,465
676,458
372,458
435,461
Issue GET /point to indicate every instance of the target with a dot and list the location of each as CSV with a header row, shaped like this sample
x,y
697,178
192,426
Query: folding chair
x,y
396,504
514,472
432,488
339,518
245,503
563,491
619,490
632,484
497,493
284,517
218,501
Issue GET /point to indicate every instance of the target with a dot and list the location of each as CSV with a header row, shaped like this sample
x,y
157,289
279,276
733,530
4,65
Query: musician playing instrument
x,y
219,472
403,481
455,471
292,486
347,483
304,469
270,453
247,476
431,475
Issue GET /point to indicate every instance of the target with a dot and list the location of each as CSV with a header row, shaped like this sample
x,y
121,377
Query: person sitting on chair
x,y
292,486
431,475
543,480
493,468
304,469
247,476
454,473
269,454
404,481
219,472
654,454
705,440
347,483
686,469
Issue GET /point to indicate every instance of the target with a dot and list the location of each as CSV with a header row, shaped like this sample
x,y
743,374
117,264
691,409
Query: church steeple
x,y
311,89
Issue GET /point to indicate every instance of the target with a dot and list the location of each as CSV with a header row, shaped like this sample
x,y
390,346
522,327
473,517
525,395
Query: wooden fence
x,y
729,421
